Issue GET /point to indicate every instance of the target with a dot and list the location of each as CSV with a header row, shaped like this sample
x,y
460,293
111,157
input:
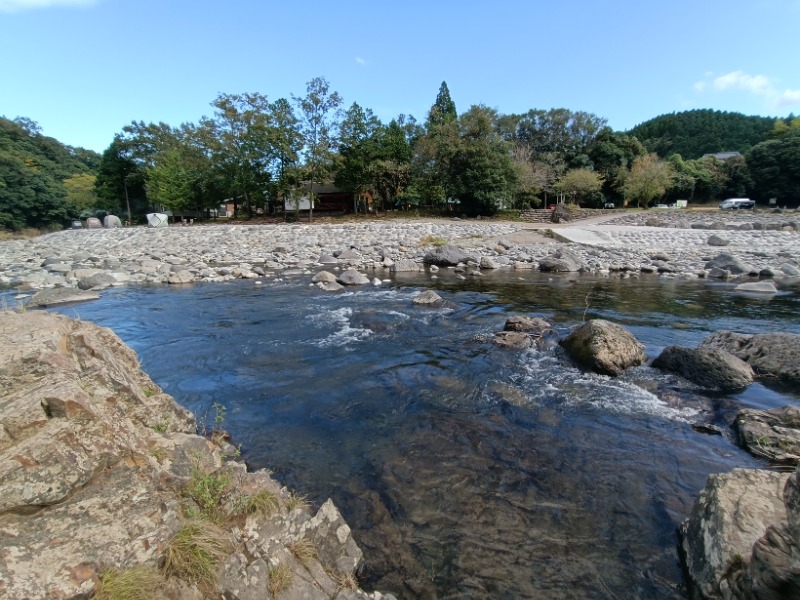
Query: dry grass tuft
x,y
280,578
304,550
347,581
137,583
432,240
22,234
195,553
264,502
296,501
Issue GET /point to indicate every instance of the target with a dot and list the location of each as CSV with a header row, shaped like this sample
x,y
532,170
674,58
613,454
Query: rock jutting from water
x,y
604,347
742,538
105,480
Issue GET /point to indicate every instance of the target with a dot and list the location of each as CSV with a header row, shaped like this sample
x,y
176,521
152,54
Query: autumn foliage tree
x,y
580,185
648,179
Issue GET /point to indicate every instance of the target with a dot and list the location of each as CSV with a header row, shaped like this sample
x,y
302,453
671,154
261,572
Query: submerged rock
x,y
55,296
513,339
604,347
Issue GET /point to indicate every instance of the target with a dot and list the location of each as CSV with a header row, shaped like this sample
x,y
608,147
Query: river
x,y
466,470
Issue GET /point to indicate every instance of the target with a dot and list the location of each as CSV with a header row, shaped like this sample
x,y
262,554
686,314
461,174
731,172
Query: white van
x,y
736,203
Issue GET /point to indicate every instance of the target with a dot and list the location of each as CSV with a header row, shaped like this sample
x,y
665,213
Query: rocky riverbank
x,y
675,244
742,538
107,488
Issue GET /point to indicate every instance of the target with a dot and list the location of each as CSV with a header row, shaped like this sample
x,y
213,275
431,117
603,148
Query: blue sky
x,y
85,68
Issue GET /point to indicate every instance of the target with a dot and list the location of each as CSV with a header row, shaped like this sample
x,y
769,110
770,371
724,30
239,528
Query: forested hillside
x,y
43,183
694,133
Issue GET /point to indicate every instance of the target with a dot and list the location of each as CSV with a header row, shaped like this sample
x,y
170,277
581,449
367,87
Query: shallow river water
x,y
466,470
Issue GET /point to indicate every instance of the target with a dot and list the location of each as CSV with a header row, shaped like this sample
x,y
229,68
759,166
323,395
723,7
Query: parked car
x,y
609,205
736,204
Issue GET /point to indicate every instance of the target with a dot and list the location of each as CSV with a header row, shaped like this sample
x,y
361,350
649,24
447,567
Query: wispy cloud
x,y
756,85
12,6
361,61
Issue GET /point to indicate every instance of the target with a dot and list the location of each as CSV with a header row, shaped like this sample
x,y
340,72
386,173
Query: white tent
x,y
157,220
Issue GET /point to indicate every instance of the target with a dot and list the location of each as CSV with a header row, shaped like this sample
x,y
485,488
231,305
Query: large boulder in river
x,y
352,277
448,256
561,261
604,347
770,354
428,297
739,540
771,434
405,266
710,368
323,277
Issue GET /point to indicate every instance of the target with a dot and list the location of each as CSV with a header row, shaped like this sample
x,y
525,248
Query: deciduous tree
x,y
648,179
318,110
580,185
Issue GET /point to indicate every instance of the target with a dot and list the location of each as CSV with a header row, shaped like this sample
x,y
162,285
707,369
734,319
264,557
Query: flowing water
x,y
466,470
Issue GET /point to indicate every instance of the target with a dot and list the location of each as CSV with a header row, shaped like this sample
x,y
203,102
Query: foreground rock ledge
x,y
742,539
95,464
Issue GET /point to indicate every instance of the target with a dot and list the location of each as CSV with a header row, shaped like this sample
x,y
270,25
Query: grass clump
x,y
280,578
347,581
304,550
262,502
296,501
137,583
195,552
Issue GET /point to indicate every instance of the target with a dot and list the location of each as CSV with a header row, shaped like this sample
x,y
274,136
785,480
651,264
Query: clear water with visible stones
x,y
466,470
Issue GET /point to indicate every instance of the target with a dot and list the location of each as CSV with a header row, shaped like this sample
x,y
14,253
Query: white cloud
x,y
12,6
361,61
756,85
788,98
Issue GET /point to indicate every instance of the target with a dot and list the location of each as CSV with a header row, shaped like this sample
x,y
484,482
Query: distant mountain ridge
x,y
694,133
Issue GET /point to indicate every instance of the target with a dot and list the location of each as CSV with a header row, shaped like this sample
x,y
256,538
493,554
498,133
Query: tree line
x,y
261,155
